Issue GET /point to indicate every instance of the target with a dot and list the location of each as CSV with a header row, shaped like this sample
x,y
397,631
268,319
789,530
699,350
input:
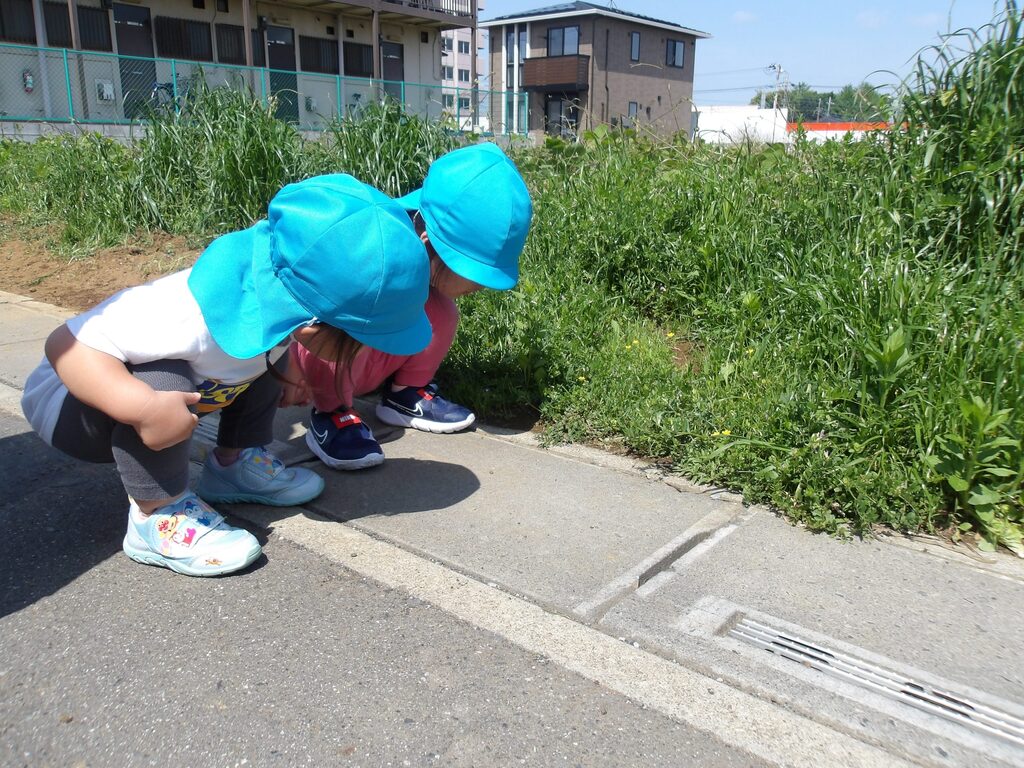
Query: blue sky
x,y
826,44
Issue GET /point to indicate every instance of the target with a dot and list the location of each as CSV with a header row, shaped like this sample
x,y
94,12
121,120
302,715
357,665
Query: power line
x,y
740,88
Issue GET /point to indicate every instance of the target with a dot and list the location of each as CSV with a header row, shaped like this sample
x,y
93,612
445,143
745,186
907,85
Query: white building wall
x,y
738,124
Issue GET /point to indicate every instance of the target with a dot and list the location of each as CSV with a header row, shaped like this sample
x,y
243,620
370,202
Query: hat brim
x,y
245,306
464,266
410,202
407,341
249,311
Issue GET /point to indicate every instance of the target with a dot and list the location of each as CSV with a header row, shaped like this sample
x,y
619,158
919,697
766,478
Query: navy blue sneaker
x,y
342,441
423,409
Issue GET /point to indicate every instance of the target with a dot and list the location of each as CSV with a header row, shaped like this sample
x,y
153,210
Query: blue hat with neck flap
x,y
331,250
477,212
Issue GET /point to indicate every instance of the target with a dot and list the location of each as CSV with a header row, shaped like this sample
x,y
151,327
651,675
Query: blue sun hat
x,y
331,249
477,211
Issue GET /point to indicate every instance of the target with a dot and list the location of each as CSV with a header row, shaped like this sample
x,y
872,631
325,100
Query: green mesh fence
x,y
59,85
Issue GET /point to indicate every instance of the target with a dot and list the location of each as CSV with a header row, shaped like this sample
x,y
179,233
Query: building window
x,y
16,22
463,75
464,102
563,41
674,53
446,44
358,59
510,53
222,6
318,54
634,46
58,28
633,109
463,46
94,29
183,39
522,51
230,43
447,72
448,101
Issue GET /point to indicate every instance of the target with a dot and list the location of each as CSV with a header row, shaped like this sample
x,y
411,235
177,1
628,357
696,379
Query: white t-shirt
x,y
156,321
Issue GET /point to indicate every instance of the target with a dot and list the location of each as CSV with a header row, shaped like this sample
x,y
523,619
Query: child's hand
x,y
295,393
166,420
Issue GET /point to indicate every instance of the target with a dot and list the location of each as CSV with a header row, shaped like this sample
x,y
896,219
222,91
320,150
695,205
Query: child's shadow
x,y
398,486
60,518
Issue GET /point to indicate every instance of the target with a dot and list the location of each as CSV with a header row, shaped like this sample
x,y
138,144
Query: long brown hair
x,y
334,345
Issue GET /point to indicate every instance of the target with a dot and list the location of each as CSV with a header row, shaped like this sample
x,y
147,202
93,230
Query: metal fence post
x,y
174,84
67,83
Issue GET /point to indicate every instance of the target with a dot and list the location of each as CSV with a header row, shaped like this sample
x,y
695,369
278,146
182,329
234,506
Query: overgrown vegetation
x,y
834,330
209,168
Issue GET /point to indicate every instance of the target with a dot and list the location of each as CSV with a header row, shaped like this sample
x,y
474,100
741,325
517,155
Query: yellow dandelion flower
x,y
749,350
582,378
726,432
715,434
669,335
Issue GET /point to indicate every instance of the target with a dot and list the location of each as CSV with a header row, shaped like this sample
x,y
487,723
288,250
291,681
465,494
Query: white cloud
x,y
870,19
744,17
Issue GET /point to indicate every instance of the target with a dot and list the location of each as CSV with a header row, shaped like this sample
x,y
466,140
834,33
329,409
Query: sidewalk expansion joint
x,y
594,609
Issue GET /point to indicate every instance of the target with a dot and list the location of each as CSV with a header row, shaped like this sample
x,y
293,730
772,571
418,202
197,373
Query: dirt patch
x,y
29,267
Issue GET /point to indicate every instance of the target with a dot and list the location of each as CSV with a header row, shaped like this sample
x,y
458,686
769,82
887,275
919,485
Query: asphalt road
x,y
297,661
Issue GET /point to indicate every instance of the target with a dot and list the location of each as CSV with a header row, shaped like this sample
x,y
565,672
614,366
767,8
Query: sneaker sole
x,y
152,558
211,497
369,460
397,419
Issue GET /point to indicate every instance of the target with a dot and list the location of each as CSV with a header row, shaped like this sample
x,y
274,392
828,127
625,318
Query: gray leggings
x,y
88,434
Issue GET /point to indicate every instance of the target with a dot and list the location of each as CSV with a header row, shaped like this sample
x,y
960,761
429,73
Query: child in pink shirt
x,y
472,214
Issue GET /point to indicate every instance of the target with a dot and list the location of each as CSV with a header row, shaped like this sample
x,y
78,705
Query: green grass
x,y
833,330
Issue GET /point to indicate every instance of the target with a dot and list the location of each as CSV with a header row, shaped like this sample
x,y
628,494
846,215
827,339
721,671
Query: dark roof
x,y
579,5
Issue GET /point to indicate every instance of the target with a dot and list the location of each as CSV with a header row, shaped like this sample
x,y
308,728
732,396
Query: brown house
x,y
583,65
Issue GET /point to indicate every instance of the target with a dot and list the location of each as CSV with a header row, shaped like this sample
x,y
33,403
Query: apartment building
x,y
463,69
106,60
580,65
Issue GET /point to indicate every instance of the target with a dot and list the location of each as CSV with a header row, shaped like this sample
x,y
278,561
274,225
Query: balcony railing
x,y
447,7
556,73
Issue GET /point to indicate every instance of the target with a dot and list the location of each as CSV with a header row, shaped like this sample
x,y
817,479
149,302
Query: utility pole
x,y
779,72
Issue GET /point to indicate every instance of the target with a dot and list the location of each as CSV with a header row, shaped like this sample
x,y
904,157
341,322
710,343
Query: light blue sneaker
x,y
189,537
259,478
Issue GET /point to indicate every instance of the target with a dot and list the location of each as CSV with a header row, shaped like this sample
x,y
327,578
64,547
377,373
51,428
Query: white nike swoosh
x,y
417,412
319,438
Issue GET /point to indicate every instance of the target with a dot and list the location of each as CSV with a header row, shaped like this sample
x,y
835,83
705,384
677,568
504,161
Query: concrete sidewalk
x,y
791,646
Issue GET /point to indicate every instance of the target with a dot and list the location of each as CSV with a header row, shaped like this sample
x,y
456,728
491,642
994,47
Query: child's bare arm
x,y
162,419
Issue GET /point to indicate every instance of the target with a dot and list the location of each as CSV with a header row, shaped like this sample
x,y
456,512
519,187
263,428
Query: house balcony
x,y
547,74
460,11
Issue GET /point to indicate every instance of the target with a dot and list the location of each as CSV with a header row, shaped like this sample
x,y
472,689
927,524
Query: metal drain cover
x,y
893,685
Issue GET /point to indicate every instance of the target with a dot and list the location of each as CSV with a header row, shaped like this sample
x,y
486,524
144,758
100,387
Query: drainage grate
x,y
923,696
